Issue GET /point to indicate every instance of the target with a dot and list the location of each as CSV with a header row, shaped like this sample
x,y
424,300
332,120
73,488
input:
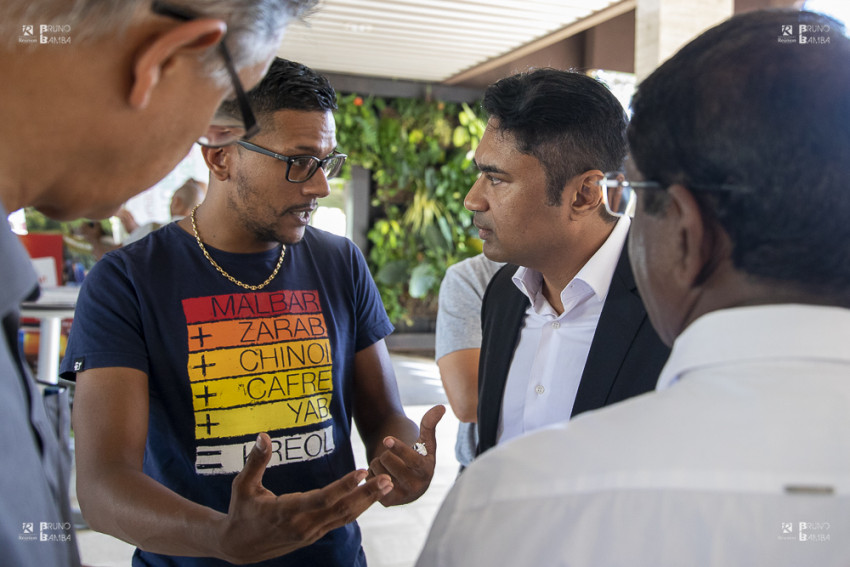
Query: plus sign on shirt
x,y
549,360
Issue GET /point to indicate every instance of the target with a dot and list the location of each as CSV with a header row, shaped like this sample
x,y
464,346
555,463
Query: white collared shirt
x,y
741,457
549,359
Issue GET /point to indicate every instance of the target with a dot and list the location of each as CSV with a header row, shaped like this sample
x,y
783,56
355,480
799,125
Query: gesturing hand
x,y
260,525
411,472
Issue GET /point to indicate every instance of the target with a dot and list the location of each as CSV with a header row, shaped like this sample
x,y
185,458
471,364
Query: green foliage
x,y
420,155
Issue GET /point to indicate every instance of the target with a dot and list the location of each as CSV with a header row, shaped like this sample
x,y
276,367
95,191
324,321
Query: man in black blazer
x,y
564,328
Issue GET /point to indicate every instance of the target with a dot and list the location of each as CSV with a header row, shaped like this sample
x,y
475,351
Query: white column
x,y
663,26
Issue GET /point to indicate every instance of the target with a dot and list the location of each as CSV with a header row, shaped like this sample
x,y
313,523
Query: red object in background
x,y
40,245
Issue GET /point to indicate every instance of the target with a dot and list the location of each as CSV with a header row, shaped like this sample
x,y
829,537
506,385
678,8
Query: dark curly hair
x,y
287,86
738,106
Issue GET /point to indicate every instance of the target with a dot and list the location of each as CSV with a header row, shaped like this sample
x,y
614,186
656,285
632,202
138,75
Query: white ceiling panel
x,y
424,40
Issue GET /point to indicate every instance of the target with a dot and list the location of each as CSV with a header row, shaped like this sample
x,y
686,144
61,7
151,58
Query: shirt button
x,y
539,389
556,325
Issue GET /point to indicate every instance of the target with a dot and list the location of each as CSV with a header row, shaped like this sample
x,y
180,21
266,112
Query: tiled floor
x,y
392,537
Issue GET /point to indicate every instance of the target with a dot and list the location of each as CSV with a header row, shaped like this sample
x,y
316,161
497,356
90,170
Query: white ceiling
x,y
427,40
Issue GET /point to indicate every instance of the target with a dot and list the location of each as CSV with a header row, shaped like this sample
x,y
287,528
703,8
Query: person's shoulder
x,y
476,264
476,271
326,239
502,280
637,434
325,246
164,235
549,454
328,253
483,263
164,240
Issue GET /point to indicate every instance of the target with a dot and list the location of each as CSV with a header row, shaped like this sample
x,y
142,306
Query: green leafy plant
x,y
420,155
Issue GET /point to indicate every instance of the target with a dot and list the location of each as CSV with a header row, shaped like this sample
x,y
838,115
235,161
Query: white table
x,y
52,306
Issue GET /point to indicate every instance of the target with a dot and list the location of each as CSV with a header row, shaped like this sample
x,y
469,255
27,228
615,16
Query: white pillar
x,y
663,26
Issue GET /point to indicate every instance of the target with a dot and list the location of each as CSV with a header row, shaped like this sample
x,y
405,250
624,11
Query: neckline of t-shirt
x,y
272,253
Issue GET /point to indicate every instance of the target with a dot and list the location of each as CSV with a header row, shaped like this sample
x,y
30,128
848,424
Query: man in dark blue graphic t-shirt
x,y
237,321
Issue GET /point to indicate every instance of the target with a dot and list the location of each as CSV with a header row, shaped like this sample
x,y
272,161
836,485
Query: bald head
x,y
186,197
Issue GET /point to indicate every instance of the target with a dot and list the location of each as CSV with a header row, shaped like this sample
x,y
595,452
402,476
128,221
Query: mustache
x,y
305,207
477,220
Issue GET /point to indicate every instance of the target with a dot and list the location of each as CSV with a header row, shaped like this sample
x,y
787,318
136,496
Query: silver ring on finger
x,y
420,448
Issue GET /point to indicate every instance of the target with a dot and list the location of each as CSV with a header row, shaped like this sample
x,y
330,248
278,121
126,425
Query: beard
x,y
261,219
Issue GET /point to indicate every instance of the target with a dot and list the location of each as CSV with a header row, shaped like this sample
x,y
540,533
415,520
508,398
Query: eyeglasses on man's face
x,y
620,198
223,130
618,193
301,168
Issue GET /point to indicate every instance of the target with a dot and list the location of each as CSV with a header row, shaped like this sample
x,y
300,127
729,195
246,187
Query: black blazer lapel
x,y
502,313
622,316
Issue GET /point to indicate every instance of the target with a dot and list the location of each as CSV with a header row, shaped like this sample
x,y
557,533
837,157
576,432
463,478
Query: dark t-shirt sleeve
x,y
372,321
107,327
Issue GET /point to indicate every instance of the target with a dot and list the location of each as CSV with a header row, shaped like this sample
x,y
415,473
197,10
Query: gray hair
x,y
253,26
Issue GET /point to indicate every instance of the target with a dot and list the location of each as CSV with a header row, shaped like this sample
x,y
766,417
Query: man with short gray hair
x,y
101,99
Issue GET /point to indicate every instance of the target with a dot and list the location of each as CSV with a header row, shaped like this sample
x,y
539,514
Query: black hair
x,y
287,86
570,122
746,106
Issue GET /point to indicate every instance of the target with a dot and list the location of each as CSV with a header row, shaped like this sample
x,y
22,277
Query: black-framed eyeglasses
x,y
222,131
301,168
618,193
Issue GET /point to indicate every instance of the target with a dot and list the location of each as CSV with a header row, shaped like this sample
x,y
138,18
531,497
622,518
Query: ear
x,y
159,54
219,161
584,191
694,245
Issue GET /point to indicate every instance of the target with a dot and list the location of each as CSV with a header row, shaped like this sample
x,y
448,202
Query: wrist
x,y
218,537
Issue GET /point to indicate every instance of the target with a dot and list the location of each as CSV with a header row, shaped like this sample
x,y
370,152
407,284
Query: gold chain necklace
x,y
221,270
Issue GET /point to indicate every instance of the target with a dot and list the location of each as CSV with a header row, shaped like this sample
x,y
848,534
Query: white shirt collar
x,y
742,334
595,275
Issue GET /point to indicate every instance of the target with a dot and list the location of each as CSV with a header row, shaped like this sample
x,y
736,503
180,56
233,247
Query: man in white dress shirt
x,y
564,329
739,245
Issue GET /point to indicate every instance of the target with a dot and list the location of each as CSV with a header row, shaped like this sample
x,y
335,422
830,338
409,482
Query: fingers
x,y
399,456
399,460
342,501
335,491
376,466
411,471
261,526
251,474
428,427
